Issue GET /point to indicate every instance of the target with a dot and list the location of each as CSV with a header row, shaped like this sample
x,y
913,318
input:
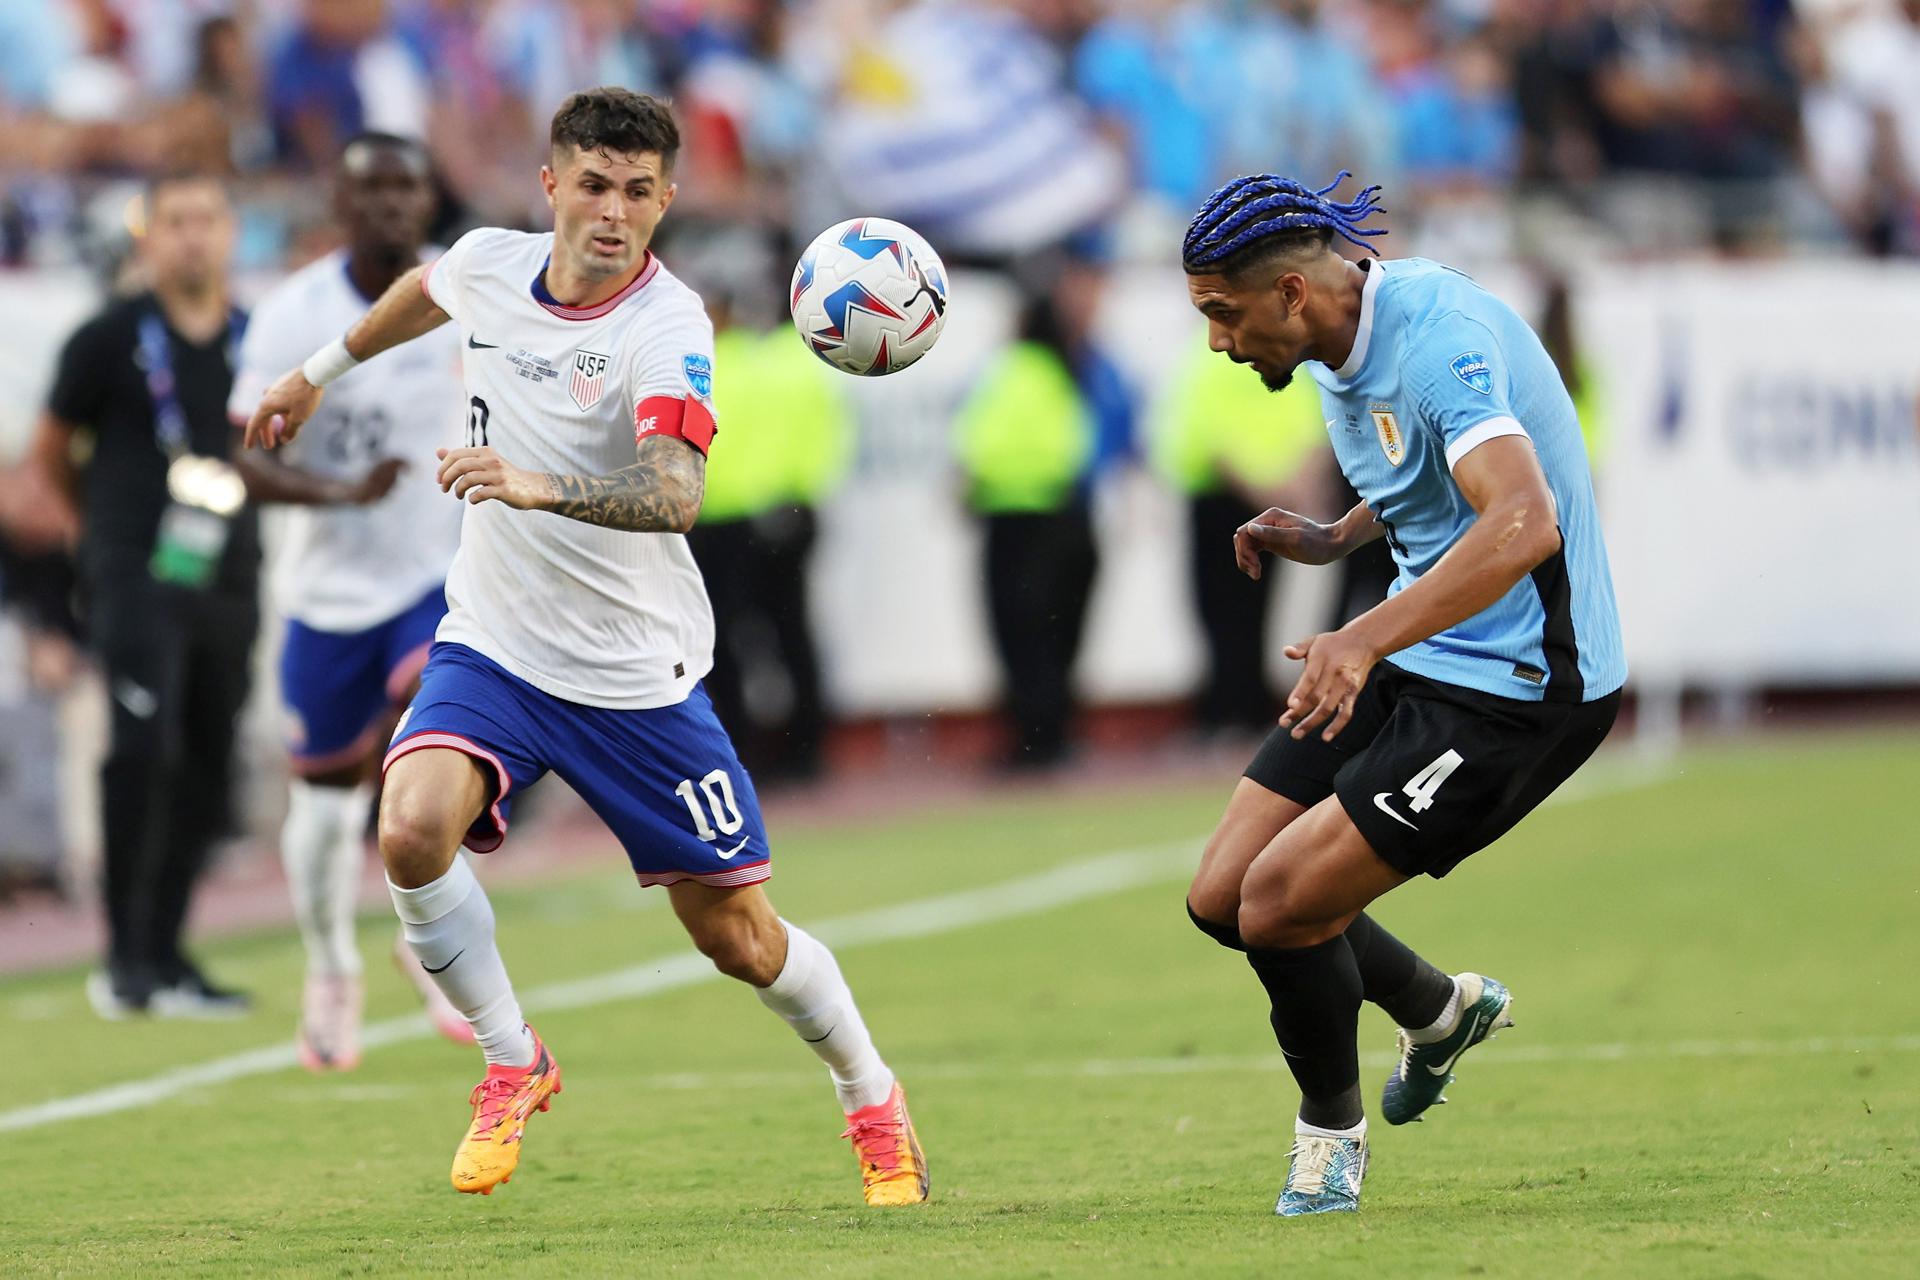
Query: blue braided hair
x,y
1251,209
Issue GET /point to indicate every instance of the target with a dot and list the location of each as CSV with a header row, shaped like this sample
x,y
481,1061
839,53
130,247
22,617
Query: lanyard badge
x,y
204,494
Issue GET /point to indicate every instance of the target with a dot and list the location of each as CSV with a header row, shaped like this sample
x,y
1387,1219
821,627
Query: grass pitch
x,y
1714,1071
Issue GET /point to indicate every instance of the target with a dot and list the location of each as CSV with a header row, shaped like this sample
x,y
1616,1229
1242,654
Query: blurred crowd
x,y
997,125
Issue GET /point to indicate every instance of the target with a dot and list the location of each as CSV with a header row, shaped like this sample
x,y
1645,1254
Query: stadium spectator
x,y
339,72
750,120
219,123
1152,72
1232,450
982,148
1025,439
1303,95
536,52
1458,133
133,444
1867,149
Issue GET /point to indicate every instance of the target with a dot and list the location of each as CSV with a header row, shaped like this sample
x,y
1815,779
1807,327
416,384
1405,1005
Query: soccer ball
x,y
869,296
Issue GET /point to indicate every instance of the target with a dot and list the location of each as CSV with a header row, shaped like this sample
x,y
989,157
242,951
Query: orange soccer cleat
x,y
892,1168
502,1104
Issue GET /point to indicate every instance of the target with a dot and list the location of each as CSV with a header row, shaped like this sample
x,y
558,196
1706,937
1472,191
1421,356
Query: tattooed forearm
x,y
659,493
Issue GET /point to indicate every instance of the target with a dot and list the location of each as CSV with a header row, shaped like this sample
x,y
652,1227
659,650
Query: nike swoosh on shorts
x,y
1380,803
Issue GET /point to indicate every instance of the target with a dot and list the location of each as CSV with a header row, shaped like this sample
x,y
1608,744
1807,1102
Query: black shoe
x,y
190,995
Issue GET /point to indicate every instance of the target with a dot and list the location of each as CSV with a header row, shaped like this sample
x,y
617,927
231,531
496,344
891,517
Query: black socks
x,y
1316,992
1413,992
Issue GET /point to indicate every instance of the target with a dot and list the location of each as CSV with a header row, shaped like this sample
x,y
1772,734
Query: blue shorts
x,y
340,688
665,780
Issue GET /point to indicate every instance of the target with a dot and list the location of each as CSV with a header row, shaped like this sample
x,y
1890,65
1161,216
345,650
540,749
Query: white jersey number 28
x,y
717,788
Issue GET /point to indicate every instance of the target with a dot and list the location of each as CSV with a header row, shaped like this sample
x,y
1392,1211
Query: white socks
x,y
321,846
1314,1130
1441,1027
449,925
814,999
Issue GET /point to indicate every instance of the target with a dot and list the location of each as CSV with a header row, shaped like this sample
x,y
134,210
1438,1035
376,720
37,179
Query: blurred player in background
x,y
578,629
361,573
1427,727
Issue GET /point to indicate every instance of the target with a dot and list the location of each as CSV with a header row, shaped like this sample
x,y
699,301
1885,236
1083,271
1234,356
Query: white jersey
x,y
348,568
598,616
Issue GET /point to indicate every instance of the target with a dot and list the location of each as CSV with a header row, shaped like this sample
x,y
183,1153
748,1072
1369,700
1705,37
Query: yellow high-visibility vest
x,y
784,432
1025,436
1218,417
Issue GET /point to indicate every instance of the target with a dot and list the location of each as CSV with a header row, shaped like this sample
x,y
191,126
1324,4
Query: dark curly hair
x,y
616,120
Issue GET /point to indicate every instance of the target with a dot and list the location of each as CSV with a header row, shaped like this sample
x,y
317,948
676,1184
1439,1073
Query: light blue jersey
x,y
1440,366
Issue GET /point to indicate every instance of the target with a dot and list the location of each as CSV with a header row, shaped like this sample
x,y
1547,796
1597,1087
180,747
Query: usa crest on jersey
x,y
589,378
1392,443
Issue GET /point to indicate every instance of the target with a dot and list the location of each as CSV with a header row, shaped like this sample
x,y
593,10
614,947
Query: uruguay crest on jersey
x,y
589,381
1392,443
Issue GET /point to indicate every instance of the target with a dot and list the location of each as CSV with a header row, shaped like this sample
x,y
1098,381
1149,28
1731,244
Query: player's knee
x,y
1283,920
1217,920
417,839
741,951
740,954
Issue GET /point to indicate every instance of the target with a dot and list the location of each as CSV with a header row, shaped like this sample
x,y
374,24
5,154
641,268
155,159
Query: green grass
x,y
1764,894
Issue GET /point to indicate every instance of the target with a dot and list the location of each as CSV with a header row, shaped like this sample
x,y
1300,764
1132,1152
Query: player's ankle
x,y
1443,1026
1358,1129
506,1047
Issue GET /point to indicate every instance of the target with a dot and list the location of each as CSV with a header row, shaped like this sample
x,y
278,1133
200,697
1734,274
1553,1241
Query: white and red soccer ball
x,y
869,296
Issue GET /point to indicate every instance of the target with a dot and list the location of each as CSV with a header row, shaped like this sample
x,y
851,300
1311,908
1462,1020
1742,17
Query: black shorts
x,y
1432,772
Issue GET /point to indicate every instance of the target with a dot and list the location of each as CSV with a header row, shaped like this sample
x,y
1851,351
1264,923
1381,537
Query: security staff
x,y
1026,439
786,443
1233,449
135,436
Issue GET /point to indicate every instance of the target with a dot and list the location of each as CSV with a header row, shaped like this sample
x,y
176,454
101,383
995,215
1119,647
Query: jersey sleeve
x,y
274,343
79,387
1461,385
445,278
670,381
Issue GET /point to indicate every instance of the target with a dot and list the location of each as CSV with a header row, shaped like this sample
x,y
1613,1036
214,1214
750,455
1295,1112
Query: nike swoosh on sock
x,y
448,965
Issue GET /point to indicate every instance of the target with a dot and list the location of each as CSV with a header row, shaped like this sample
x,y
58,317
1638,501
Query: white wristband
x,y
328,363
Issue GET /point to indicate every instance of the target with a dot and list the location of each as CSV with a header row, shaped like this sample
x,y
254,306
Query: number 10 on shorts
x,y
717,790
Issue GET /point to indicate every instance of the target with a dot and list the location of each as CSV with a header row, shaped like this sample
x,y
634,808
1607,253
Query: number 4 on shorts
x,y
1421,787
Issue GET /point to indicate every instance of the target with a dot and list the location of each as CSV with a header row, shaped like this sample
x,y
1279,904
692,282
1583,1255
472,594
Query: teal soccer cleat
x,y
1426,1069
1324,1176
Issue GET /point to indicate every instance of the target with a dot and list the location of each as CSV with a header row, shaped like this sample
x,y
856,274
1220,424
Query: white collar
x,y
1369,293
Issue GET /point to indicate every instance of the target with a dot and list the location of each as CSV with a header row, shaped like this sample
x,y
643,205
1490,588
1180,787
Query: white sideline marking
x,y
1112,1068
1072,882
1064,885
1192,1065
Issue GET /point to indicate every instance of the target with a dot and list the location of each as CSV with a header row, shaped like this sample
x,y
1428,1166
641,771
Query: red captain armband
x,y
682,417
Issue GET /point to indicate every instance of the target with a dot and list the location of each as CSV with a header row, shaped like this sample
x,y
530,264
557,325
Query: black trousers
x,y
1040,569
178,667
759,575
1233,617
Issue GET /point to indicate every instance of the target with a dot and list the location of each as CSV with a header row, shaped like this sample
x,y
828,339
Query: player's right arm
x,y
404,312
1295,537
270,479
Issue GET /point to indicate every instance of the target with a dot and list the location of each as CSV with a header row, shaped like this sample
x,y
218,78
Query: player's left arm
x,y
660,492
1517,528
